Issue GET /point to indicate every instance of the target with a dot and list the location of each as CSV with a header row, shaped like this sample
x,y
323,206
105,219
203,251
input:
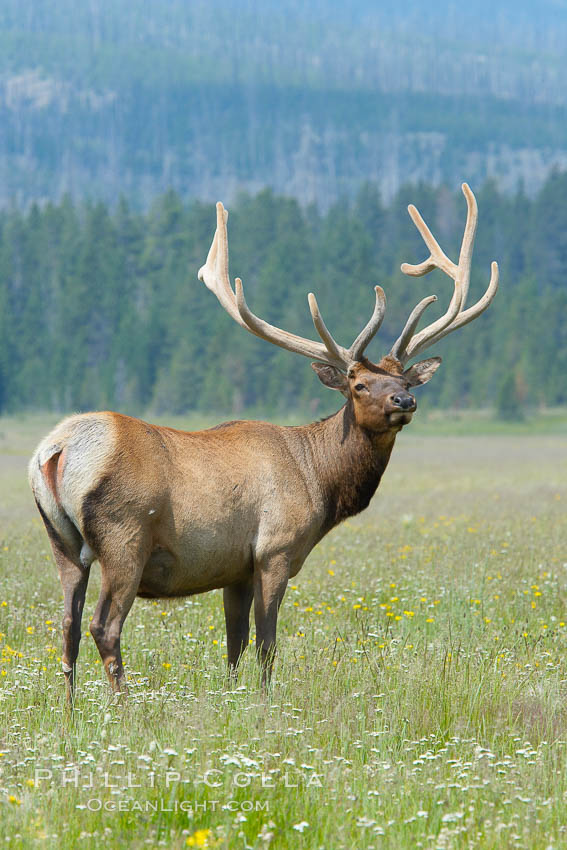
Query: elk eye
x,y
359,387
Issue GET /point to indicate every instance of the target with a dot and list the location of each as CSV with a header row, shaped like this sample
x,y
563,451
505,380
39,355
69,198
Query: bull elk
x,y
239,506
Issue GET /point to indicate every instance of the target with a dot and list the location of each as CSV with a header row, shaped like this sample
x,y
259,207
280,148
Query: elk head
x,y
379,392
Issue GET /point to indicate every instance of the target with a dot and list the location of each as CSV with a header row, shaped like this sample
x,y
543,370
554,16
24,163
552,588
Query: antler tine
x,y
409,345
437,258
400,344
214,273
366,335
335,350
468,315
334,355
467,245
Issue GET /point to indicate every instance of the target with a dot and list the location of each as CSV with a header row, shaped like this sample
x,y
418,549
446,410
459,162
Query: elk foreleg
x,y
237,601
271,576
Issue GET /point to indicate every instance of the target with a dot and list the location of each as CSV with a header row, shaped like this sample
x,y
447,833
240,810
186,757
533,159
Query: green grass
x,y
419,697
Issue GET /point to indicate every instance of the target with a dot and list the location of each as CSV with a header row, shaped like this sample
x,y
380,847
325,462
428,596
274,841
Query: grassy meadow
x,y
420,688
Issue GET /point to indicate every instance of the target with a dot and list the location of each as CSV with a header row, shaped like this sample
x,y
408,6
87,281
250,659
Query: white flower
x,y
451,817
300,827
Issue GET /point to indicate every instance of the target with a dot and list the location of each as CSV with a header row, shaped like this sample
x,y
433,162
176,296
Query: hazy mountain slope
x,y
106,97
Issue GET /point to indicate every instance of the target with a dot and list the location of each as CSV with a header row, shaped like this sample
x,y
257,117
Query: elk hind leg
x,y
74,581
120,578
237,600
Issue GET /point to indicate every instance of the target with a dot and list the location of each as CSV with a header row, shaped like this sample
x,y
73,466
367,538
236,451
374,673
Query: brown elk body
x,y
170,513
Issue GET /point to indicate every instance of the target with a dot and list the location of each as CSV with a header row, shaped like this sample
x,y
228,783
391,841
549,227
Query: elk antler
x,y
408,345
214,274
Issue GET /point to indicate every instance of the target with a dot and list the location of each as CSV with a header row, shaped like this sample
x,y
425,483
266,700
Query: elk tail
x,y
45,476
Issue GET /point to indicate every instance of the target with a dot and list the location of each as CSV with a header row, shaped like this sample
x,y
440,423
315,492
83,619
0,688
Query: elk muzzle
x,y
402,405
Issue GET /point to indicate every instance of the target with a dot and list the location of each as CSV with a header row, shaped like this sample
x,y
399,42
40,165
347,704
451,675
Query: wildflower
x,y
30,630
167,665
14,800
200,838
300,827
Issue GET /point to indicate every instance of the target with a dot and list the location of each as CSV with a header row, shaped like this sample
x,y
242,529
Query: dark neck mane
x,y
350,462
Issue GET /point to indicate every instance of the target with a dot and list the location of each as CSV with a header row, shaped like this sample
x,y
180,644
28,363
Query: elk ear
x,y
331,377
422,372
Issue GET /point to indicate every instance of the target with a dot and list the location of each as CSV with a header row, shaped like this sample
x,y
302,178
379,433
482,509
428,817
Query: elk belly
x,y
166,574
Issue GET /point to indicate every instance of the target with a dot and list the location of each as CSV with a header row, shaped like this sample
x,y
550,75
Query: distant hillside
x,y
108,97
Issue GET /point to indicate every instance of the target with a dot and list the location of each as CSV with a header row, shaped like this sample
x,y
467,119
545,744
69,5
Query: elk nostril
x,y
405,401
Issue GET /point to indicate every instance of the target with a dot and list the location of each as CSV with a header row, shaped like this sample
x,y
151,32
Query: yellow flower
x,y
14,800
30,630
167,665
200,838
30,783
331,572
430,620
